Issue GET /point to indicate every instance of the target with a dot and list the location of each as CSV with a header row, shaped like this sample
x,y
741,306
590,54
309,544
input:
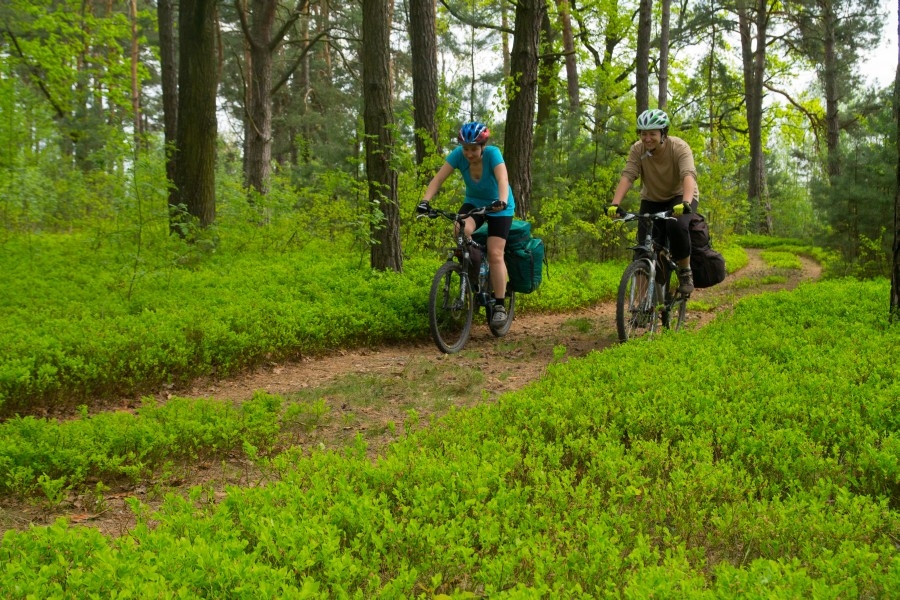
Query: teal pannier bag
x,y
525,266
524,256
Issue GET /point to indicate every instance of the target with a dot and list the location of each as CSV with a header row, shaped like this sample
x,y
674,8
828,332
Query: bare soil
x,y
414,376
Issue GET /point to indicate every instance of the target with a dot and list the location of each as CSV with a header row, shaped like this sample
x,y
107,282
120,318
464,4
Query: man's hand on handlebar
x,y
423,208
682,208
614,210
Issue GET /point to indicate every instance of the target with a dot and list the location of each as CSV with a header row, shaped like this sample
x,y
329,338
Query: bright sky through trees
x,y
881,61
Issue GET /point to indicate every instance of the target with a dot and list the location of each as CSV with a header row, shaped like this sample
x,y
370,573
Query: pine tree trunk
x,y
753,62
642,76
258,97
165,15
895,270
663,96
519,141
195,172
572,85
423,50
378,120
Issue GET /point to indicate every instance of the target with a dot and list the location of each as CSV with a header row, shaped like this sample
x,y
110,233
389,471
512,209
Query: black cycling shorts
x,y
497,226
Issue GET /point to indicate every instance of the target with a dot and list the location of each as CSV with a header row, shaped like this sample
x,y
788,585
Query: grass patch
x,y
581,325
781,259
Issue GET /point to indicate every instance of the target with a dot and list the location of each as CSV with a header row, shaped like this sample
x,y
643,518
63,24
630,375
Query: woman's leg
x,y
495,248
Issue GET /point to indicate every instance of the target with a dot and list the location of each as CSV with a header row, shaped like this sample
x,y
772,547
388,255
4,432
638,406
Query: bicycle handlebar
x,y
665,215
434,213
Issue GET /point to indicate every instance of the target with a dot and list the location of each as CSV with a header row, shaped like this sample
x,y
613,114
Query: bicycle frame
x,y
456,291
635,308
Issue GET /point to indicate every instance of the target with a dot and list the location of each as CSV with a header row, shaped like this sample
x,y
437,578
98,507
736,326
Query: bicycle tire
x,y
510,314
679,308
450,309
636,313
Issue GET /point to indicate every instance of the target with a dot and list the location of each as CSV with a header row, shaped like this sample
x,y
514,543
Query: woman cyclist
x,y
487,185
665,165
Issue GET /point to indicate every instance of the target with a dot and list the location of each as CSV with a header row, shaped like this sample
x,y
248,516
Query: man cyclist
x,y
665,165
487,184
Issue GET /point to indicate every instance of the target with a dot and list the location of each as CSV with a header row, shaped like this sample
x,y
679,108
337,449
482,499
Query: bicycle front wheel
x,y
635,309
677,311
450,308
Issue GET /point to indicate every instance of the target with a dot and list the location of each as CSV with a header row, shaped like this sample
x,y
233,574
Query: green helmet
x,y
653,119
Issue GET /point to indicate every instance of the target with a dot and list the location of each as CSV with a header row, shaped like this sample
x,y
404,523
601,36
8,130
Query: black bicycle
x,y
461,285
640,307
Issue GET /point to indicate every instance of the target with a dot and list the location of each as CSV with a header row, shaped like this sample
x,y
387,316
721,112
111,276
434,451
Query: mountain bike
x,y
460,286
640,307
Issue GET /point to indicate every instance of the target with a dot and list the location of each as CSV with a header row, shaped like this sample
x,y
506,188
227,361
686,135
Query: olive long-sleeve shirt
x,y
661,173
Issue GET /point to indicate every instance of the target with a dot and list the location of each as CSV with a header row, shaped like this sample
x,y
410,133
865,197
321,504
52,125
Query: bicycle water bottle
x,y
483,296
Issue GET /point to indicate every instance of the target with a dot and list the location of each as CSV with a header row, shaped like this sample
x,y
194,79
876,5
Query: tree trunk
x,y
165,15
504,38
832,125
257,95
195,174
894,310
378,120
135,81
663,96
519,141
545,122
642,78
753,62
423,50
572,84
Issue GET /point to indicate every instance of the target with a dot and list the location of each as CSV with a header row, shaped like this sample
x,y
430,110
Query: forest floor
x,y
371,392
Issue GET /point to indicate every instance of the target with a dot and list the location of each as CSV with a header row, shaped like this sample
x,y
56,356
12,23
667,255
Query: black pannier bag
x,y
707,265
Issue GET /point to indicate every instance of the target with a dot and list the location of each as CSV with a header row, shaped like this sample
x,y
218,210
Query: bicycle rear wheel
x,y
450,308
636,313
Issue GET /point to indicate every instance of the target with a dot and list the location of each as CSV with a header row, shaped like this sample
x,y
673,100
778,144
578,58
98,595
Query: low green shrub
x,y
51,455
757,456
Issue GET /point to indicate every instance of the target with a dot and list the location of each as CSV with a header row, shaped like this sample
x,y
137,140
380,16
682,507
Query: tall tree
x,y
663,70
569,52
642,77
895,264
165,16
519,141
378,120
423,49
753,23
263,40
832,35
195,143
545,124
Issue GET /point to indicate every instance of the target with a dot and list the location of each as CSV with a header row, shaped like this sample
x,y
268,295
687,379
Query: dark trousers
x,y
675,231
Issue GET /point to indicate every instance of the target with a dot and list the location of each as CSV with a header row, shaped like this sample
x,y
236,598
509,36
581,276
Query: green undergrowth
x,y
77,325
47,457
756,457
786,247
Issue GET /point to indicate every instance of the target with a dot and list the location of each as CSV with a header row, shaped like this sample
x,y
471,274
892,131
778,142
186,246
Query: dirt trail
x,y
413,376
511,362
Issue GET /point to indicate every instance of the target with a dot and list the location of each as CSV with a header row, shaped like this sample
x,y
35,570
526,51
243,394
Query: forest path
x,y
371,392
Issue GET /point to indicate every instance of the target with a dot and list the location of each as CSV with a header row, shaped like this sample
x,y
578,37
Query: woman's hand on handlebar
x,y
497,206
